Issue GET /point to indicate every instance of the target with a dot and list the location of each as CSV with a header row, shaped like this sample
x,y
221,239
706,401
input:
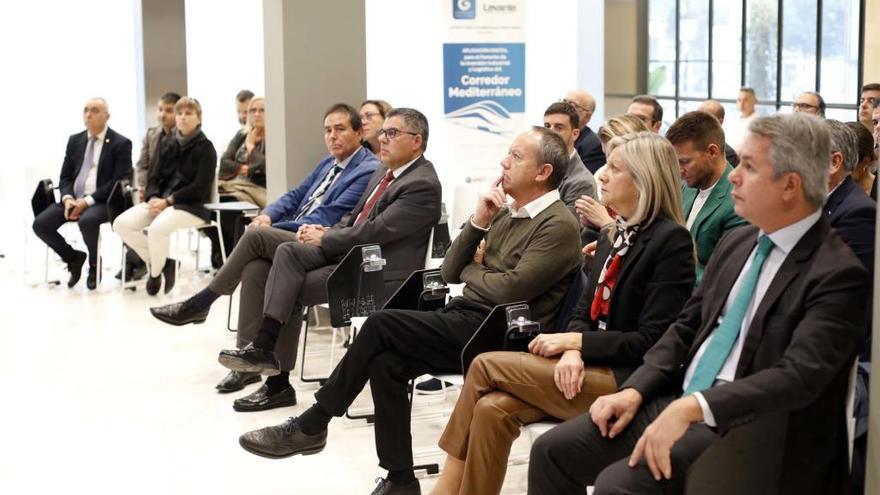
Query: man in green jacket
x,y
705,199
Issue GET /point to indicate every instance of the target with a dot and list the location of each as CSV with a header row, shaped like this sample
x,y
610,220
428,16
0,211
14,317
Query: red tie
x,y
362,217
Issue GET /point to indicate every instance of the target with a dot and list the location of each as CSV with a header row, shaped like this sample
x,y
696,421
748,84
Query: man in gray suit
x,y
398,210
134,265
561,117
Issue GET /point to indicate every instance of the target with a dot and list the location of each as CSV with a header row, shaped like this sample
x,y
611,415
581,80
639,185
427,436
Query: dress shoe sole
x,y
178,323
226,390
240,365
266,406
311,451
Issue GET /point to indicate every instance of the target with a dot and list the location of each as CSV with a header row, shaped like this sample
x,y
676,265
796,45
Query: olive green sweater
x,y
526,259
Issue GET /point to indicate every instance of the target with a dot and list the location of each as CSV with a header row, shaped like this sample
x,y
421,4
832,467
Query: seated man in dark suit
x,y
531,251
708,207
773,327
330,191
95,159
588,146
561,118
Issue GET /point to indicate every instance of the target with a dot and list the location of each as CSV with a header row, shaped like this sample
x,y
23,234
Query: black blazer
x,y
796,357
185,172
656,279
114,163
401,221
589,148
852,213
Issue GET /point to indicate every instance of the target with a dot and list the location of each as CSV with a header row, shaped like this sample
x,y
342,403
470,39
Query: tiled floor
x,y
101,398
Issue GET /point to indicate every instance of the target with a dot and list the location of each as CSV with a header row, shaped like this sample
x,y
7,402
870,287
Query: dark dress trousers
x,y
796,360
589,147
114,164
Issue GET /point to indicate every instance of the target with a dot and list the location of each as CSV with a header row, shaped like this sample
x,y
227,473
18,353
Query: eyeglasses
x,y
803,106
369,115
575,105
392,133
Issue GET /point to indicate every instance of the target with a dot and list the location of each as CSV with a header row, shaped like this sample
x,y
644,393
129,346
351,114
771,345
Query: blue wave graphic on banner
x,y
485,115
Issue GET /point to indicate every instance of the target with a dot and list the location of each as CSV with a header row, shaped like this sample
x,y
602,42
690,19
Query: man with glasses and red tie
x,y
95,159
773,328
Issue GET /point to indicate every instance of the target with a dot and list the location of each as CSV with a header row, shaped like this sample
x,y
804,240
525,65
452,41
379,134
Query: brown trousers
x,y
502,392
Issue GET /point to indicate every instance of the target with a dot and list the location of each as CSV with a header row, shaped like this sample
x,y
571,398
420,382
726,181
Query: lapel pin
x,y
107,140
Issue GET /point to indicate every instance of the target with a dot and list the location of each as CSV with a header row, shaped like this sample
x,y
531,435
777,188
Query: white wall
x,y
55,56
405,63
224,54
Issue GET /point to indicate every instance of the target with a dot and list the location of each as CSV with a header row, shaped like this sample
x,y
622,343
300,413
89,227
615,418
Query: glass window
x,y
669,113
798,47
761,29
661,47
726,48
840,51
842,114
693,48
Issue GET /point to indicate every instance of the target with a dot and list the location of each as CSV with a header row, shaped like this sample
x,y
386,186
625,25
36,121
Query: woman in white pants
x,y
177,189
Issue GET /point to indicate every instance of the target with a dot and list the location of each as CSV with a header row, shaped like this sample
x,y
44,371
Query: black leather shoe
x,y
92,279
250,360
169,271
216,260
262,401
386,487
180,313
235,381
284,440
132,273
75,266
154,284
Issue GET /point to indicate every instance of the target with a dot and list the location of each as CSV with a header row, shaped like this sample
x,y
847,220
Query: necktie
x,y
727,331
79,185
375,198
312,202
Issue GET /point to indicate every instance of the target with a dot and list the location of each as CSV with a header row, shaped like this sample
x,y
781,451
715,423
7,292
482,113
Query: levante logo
x,y
464,9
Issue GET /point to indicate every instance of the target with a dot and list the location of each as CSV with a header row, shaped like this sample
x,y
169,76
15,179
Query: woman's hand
x,y
157,205
552,344
569,374
591,212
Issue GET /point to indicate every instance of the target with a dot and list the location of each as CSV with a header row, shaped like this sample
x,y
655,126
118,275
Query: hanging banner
x,y
484,75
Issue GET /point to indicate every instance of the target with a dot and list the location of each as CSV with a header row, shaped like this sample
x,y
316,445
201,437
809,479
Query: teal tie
x,y
727,332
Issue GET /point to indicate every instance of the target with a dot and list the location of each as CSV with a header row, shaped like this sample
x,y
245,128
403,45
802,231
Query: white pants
x,y
152,247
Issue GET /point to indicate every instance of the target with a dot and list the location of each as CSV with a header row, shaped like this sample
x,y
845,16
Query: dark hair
x,y
354,118
551,149
382,105
700,128
821,101
169,98
871,87
415,120
564,108
865,140
657,116
244,95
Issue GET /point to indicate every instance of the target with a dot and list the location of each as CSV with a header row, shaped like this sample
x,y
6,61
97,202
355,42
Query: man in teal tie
x,y
772,328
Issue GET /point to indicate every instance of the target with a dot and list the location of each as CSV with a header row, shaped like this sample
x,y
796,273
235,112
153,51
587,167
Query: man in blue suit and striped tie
x,y
772,329
330,191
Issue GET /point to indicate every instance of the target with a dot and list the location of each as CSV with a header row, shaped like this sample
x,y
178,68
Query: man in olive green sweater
x,y
531,250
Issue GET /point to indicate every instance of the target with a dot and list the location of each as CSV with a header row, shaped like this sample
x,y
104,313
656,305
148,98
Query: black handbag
x,y
121,198
43,197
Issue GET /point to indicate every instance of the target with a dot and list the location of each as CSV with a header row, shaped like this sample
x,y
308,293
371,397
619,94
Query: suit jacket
x,y
796,357
149,156
114,163
656,279
185,172
589,148
715,219
578,181
342,196
400,221
730,154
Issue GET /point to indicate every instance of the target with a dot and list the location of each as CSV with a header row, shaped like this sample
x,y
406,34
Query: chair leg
x,y
229,314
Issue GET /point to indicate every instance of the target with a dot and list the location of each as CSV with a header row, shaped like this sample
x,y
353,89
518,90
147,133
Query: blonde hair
x,y
620,125
248,125
651,161
191,103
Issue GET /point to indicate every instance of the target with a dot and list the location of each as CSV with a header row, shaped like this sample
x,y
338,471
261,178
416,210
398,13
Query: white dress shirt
x,y
396,174
321,187
784,240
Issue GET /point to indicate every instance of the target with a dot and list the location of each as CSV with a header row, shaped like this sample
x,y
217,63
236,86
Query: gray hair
x,y
551,149
415,120
800,144
846,141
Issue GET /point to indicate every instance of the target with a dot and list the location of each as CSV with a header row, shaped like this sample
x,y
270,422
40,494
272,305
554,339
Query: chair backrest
x,y
120,199
44,196
490,336
413,294
438,241
352,291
